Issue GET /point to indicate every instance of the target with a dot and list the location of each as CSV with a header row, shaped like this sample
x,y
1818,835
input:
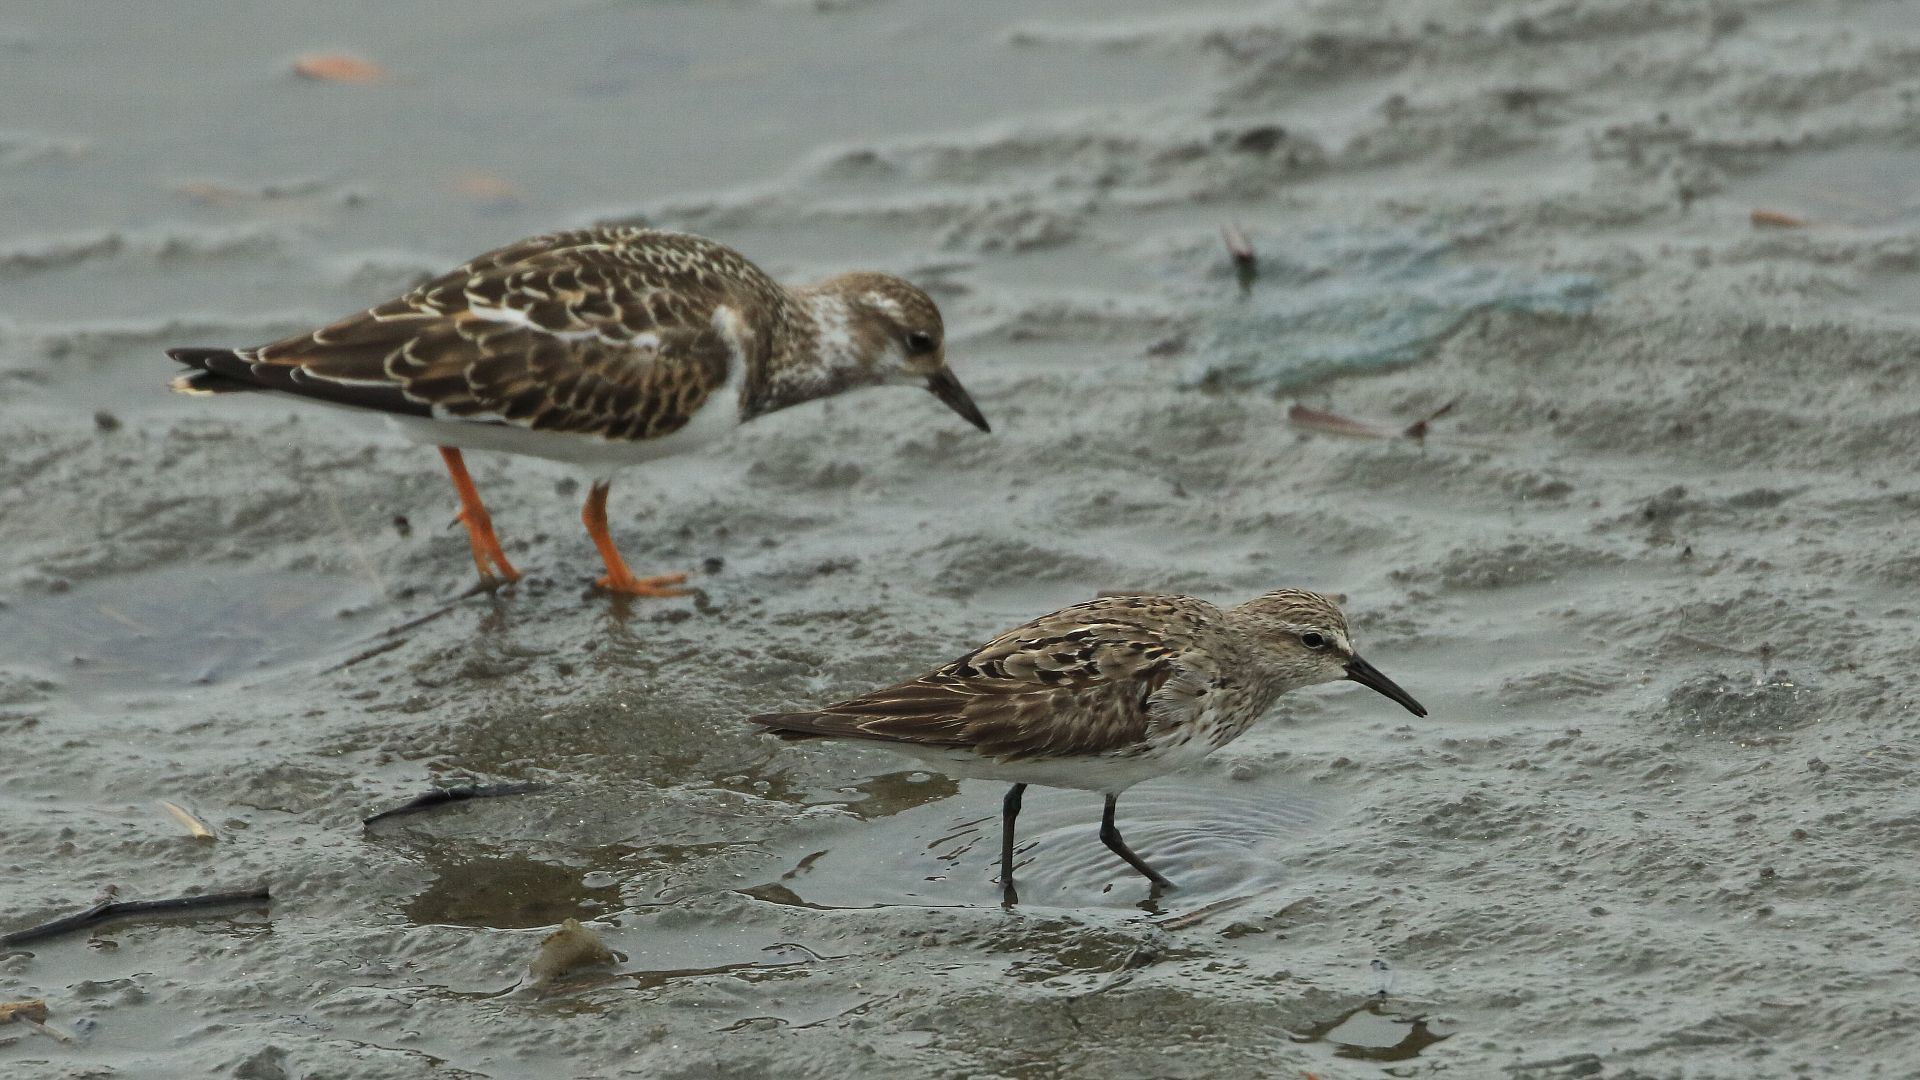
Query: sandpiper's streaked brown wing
x,y
607,332
1096,678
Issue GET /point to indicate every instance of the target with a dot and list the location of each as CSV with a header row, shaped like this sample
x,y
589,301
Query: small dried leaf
x,y
1237,243
211,194
194,826
48,1030
485,187
339,68
114,613
218,194
1246,265
1335,424
1774,219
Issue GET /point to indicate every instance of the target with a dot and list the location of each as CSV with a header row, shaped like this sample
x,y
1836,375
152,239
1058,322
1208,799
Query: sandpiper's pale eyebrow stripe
x,y
1102,695
603,347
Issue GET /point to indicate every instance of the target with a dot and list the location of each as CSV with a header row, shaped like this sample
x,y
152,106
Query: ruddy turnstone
x,y
601,347
1102,695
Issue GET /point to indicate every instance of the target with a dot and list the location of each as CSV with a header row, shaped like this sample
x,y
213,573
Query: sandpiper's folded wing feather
x,y
609,332
1118,666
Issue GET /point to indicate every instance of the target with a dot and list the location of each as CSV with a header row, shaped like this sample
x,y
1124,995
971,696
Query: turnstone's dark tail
x,y
209,379
226,371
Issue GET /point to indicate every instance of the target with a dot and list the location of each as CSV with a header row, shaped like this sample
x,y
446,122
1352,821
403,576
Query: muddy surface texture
x,y
1654,573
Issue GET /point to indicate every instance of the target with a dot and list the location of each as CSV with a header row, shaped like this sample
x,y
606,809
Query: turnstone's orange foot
x,y
487,554
625,584
1103,695
600,347
619,579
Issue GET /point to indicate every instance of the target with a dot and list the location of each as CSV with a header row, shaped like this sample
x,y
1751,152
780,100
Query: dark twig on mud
x,y
392,633
444,609
457,793
120,909
1418,429
366,654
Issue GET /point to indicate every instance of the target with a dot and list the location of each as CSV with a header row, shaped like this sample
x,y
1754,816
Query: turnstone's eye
x,y
1312,640
920,343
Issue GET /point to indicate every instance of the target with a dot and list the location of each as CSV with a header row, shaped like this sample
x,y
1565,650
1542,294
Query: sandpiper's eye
x,y
920,343
1312,640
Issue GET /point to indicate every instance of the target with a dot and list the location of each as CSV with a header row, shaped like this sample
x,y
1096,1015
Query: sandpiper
x,y
1102,695
601,347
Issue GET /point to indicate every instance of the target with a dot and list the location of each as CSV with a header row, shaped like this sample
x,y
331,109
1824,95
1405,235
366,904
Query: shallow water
x,y
1651,573
174,629
1216,844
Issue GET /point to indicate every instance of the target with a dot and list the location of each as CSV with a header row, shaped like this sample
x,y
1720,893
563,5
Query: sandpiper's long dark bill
x,y
1102,695
602,347
1367,675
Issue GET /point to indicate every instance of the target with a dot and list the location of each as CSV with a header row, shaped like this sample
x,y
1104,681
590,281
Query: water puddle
x,y
510,892
1373,1030
893,793
1344,300
482,885
179,628
1214,838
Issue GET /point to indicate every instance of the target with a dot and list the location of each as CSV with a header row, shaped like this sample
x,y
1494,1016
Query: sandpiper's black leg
x,y
1110,836
1009,810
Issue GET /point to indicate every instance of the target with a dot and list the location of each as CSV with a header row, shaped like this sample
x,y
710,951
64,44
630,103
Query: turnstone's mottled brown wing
x,y
1094,678
608,332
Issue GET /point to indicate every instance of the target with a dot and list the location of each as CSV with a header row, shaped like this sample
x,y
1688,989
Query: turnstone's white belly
x,y
715,417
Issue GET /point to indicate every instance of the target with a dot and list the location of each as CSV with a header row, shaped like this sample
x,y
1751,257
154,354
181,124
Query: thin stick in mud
x,y
120,909
457,793
392,633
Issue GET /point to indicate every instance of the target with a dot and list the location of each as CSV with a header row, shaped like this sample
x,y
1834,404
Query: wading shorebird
x,y
600,347
1102,695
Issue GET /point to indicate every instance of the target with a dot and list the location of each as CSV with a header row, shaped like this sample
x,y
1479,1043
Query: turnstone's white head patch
x,y
876,329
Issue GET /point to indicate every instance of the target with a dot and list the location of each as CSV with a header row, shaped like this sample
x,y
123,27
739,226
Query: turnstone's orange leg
x,y
473,514
619,579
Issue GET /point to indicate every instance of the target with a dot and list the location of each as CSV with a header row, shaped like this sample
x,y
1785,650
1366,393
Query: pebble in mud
x,y
570,950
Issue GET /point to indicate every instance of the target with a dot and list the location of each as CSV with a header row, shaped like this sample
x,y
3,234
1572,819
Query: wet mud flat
x,y
1652,572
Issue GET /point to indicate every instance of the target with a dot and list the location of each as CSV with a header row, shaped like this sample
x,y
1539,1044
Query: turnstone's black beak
x,y
1369,676
948,389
